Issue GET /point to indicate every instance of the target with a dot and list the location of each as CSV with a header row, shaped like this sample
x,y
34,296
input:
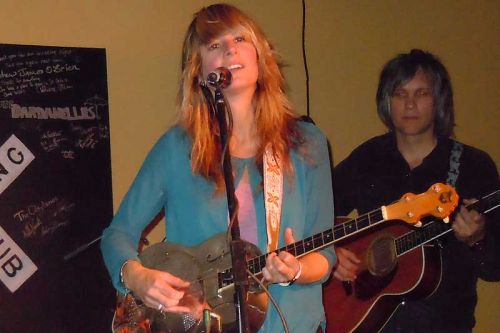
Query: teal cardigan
x,y
194,214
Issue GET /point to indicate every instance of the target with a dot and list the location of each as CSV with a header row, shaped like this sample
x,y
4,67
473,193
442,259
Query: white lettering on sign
x,y
15,266
14,158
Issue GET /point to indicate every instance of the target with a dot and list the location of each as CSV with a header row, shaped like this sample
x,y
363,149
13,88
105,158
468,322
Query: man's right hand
x,y
347,265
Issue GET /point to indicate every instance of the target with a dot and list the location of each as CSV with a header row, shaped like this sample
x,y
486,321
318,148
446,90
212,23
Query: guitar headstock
x,y
440,200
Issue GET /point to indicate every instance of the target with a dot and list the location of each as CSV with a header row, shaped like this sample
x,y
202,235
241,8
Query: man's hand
x,y
468,225
347,265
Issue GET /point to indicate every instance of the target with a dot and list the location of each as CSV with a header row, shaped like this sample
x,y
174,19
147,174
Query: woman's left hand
x,y
284,266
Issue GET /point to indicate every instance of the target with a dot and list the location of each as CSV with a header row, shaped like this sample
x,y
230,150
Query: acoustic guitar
x,y
208,268
398,264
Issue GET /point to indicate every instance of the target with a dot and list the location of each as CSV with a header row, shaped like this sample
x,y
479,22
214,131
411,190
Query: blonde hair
x,y
275,118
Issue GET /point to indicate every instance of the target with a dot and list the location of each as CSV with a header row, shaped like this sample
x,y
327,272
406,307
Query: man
x,y
415,102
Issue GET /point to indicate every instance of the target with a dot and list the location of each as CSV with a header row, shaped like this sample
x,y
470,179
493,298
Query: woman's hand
x,y
157,289
347,265
284,266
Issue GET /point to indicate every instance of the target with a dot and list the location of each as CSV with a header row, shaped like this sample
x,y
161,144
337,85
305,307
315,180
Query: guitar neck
x,y
439,200
420,236
487,203
435,229
322,239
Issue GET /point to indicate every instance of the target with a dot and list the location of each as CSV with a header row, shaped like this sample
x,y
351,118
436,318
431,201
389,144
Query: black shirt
x,y
376,174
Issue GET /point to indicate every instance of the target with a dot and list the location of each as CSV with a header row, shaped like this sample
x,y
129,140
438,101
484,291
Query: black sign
x,y
55,189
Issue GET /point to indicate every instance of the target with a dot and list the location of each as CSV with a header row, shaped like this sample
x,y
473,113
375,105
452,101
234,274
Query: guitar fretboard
x,y
322,239
435,229
309,244
421,236
487,203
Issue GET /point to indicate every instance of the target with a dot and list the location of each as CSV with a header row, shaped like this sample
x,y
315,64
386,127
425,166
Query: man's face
x,y
412,106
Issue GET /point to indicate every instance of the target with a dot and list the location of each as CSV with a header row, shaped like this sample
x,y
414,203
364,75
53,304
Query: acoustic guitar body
x,y
385,281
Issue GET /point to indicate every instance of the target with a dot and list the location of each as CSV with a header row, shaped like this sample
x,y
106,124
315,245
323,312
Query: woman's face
x,y
235,51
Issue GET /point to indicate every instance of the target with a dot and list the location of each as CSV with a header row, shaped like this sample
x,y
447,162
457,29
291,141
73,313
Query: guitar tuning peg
x,y
418,224
446,219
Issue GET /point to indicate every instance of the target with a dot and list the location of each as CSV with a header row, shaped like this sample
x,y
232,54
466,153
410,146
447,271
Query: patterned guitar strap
x,y
273,192
455,154
453,171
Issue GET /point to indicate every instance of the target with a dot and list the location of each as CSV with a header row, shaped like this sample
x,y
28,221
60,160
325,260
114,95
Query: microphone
x,y
220,78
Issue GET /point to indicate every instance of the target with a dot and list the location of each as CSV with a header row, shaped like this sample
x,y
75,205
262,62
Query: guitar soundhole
x,y
381,256
381,266
181,323
188,321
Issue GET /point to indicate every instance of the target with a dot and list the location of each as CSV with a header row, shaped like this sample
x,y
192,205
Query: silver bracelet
x,y
295,278
121,275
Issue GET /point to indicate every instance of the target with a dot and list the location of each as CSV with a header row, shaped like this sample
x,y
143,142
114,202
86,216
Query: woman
x,y
183,171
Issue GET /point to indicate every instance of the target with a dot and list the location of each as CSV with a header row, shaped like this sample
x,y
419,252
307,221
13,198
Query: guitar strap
x,y
453,172
273,193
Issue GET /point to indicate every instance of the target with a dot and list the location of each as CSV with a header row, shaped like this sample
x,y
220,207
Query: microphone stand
x,y
237,246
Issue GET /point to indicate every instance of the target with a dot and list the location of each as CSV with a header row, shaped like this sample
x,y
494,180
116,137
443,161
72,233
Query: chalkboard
x,y
55,189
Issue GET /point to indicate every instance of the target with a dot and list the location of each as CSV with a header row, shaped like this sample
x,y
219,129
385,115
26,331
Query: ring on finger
x,y
160,307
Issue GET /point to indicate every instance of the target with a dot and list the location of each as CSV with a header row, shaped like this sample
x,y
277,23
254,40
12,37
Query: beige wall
x,y
347,43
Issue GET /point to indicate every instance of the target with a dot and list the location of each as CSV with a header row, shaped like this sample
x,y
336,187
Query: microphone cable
x,y
304,59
